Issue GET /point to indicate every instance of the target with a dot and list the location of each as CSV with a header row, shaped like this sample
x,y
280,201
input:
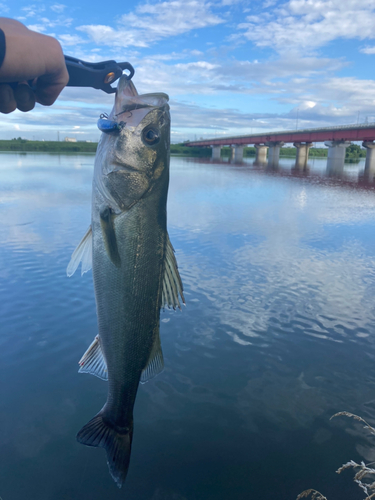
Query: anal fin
x,y
155,363
93,361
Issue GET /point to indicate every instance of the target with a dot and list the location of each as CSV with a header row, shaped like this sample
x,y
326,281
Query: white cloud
x,y
4,8
196,53
40,28
33,10
58,8
368,50
106,35
69,40
307,24
198,65
152,22
44,24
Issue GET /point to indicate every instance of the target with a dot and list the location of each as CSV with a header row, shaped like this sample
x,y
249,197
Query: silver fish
x,y
134,266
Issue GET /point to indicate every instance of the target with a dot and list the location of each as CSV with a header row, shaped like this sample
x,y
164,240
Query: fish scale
x,y
134,268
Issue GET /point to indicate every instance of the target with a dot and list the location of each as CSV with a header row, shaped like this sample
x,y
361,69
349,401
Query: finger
x,y
7,100
48,87
24,97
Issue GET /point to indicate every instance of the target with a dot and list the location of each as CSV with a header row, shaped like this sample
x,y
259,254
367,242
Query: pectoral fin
x,y
109,234
172,284
83,253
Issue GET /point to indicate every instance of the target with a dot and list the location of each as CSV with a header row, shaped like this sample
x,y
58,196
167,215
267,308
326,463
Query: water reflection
x,y
277,335
315,167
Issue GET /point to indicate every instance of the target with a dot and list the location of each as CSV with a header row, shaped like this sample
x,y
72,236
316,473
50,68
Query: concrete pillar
x,y
274,153
302,154
261,153
237,153
336,156
216,152
370,159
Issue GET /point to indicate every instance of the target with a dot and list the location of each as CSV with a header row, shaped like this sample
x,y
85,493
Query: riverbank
x,y
353,152
47,146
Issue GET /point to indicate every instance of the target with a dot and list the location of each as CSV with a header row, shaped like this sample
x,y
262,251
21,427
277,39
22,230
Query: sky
x,y
230,67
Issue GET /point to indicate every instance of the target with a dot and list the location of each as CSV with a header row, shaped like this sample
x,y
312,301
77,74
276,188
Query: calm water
x,y
278,335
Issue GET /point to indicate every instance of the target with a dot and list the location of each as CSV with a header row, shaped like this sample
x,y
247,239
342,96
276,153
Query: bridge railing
x,y
297,131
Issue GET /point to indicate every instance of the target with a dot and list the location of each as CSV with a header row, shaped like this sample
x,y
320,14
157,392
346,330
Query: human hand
x,y
30,56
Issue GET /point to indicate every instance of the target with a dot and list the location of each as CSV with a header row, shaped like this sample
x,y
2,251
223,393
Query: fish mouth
x,y
131,107
122,167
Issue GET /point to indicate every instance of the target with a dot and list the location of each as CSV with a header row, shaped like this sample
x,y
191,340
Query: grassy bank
x,y
353,152
47,146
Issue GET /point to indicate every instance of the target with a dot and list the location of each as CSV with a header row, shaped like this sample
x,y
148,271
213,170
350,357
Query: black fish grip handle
x,y
97,75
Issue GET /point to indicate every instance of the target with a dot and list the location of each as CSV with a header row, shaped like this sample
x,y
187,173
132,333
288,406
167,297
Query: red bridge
x,y
336,138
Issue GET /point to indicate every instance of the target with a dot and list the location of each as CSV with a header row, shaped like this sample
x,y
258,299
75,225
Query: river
x,y
277,335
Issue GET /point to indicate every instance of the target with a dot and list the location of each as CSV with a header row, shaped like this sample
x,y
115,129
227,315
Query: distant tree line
x,y
353,152
19,144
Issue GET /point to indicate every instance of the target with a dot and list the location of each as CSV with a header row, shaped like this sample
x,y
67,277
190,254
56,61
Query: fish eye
x,y
151,136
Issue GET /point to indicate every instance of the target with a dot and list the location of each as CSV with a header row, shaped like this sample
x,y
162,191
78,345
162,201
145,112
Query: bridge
x,y
337,139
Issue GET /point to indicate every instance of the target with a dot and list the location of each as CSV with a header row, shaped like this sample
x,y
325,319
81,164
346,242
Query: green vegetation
x,y
353,152
318,152
249,151
313,152
181,149
20,144
47,146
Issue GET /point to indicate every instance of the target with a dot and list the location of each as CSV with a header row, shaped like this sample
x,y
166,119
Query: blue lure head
x,y
109,126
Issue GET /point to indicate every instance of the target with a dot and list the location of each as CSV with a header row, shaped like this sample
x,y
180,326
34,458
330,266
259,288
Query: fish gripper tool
x,y
97,75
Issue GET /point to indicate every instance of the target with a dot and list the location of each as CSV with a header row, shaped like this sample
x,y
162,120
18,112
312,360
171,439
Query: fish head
x,y
133,154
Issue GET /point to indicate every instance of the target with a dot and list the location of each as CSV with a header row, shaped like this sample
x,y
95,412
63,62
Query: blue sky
x,y
229,66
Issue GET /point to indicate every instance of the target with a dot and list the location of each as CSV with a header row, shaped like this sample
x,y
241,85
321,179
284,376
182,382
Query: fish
x,y
135,271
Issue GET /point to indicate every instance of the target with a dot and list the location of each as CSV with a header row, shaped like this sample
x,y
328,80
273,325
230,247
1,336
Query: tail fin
x,y
117,445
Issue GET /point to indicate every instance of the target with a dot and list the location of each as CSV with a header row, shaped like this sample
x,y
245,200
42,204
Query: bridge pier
x,y
237,153
336,156
274,152
302,154
261,153
370,158
216,152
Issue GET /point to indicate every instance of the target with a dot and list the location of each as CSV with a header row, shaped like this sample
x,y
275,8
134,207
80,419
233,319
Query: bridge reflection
x,y
319,170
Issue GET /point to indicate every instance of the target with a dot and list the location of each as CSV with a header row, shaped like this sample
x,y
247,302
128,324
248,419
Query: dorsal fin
x,y
172,284
83,253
